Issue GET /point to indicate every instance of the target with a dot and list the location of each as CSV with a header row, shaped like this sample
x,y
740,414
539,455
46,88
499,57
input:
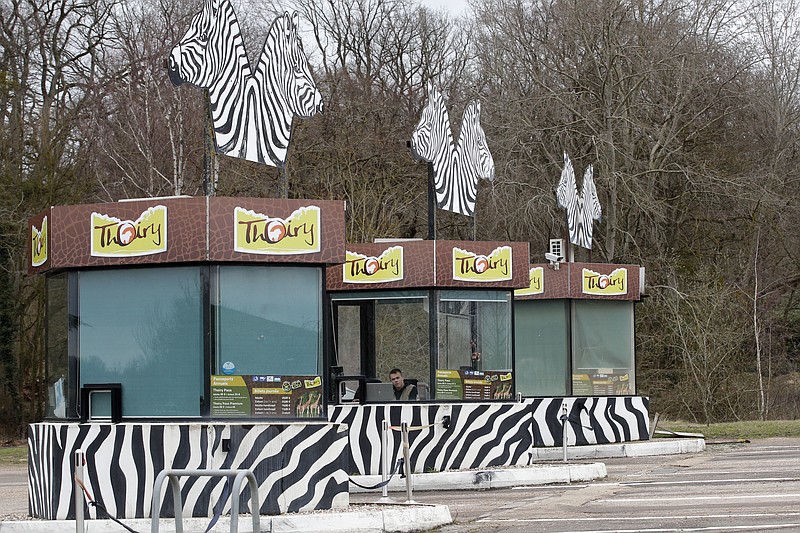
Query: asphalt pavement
x,y
437,501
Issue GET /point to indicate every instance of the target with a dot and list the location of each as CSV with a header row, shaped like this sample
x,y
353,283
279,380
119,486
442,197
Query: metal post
x,y
407,461
80,460
172,477
385,459
432,204
564,419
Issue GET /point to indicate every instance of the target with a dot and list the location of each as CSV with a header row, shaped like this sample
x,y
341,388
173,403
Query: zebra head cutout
x,y
581,210
456,168
251,109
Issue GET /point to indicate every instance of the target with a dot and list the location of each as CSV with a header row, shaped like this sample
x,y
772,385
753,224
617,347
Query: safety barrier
x,y
238,475
404,429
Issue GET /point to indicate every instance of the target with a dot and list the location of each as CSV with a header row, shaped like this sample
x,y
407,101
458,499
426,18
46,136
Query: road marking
x,y
765,527
553,487
606,519
706,481
639,518
698,498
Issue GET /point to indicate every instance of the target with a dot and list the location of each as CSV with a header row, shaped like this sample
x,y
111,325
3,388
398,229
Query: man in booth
x,y
402,391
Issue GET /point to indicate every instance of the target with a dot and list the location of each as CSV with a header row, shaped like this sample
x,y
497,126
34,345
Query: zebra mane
x,y
251,109
455,168
581,210
436,112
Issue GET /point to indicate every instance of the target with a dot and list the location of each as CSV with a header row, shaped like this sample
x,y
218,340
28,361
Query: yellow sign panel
x,y
612,284
469,266
312,383
359,268
256,233
39,244
536,285
147,235
227,381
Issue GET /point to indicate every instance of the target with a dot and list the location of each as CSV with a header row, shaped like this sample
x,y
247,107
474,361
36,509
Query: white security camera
x,y
553,258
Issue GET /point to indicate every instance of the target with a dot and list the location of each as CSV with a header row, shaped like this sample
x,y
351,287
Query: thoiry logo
x,y
147,235
536,285
388,266
469,266
605,285
39,244
256,233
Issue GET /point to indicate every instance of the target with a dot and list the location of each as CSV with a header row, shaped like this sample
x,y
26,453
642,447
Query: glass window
x,y
541,333
348,339
58,378
269,320
402,339
395,333
474,345
602,348
475,330
143,328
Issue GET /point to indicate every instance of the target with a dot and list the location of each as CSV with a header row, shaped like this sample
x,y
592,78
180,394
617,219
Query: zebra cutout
x,y
456,169
581,210
251,111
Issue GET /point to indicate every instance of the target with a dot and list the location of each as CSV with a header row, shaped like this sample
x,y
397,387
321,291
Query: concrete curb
x,y
628,449
494,478
384,518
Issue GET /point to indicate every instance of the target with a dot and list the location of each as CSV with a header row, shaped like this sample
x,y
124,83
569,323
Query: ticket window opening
x,y
101,402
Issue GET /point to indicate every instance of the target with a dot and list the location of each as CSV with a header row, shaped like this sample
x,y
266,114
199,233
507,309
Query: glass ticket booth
x,y
182,308
574,330
449,333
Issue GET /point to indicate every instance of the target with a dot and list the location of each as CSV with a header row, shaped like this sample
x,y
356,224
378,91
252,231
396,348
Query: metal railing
x,y
173,475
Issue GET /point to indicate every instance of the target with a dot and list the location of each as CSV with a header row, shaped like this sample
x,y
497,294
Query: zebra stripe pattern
x,y
456,169
484,435
298,467
602,420
251,111
581,210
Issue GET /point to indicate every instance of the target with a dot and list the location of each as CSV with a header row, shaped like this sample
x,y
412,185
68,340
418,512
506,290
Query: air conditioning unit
x,y
557,249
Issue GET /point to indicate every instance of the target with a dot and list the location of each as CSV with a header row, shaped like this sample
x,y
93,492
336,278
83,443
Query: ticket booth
x,y
496,386
187,333
441,311
575,330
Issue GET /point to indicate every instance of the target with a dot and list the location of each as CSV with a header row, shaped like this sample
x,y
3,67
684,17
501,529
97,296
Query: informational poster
x,y
601,382
449,385
474,385
266,396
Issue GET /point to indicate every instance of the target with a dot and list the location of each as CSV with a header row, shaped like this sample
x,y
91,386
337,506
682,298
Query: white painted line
x,y
685,472
553,487
640,518
698,498
760,527
707,481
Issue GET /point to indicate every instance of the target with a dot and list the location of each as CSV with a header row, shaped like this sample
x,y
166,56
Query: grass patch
x,y
13,455
749,429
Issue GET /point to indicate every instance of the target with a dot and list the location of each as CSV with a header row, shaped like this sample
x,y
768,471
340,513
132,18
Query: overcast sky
x,y
455,7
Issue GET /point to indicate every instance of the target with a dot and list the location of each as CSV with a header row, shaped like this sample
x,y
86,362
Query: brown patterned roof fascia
x,y
567,282
191,229
429,264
